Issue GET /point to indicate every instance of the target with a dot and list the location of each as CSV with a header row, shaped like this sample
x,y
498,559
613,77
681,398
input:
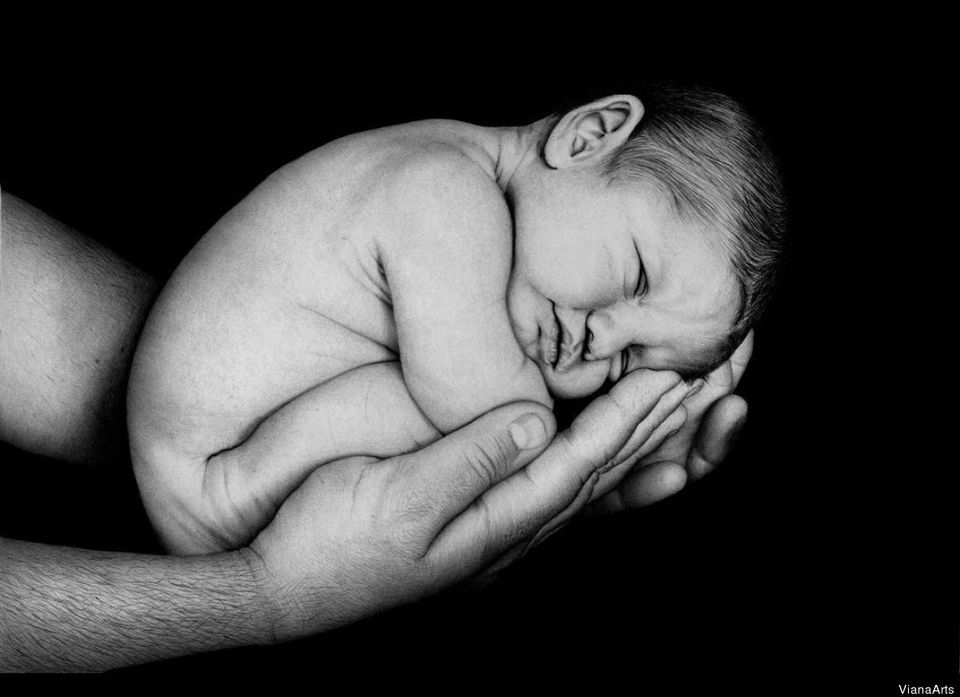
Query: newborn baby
x,y
395,284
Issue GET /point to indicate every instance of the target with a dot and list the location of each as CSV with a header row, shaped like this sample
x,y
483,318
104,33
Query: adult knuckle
x,y
406,541
406,514
487,460
618,401
571,441
411,510
582,447
676,418
646,388
588,482
401,533
484,525
501,535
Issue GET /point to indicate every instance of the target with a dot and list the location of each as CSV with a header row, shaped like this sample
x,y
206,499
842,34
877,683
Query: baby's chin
x,y
576,384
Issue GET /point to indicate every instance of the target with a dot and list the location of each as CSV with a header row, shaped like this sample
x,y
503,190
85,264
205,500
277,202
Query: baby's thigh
x,y
369,411
364,411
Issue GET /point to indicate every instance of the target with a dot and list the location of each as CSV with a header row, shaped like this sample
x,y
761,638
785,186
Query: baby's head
x,y
648,234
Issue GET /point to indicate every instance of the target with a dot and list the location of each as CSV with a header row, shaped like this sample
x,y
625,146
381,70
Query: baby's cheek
x,y
582,381
522,307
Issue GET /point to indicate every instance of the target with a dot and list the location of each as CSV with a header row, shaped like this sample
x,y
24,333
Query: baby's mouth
x,y
550,343
557,339
566,352
550,339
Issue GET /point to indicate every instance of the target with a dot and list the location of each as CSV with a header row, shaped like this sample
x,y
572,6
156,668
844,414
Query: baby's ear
x,y
589,133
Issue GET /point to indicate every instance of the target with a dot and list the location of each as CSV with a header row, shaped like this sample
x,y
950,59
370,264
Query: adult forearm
x,y
65,609
70,314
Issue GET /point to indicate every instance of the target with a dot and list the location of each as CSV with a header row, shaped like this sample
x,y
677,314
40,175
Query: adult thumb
x,y
447,476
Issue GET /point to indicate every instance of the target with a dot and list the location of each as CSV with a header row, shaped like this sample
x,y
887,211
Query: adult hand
x,y
713,417
361,535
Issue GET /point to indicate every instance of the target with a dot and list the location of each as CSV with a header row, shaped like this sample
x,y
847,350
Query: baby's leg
x,y
366,411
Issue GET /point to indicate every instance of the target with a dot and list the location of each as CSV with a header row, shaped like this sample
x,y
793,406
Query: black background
x,y
812,553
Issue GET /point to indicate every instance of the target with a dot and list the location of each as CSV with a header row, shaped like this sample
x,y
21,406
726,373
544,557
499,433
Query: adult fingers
x,y
616,423
559,480
716,436
631,490
666,418
447,476
669,428
642,487
663,421
741,357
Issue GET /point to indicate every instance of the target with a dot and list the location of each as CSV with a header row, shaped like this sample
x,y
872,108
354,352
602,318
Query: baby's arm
x,y
448,269
447,277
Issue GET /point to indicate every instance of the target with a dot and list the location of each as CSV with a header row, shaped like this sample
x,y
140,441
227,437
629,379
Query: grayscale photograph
x,y
399,367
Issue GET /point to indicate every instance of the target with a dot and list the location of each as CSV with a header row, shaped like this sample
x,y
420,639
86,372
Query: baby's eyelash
x,y
641,272
641,283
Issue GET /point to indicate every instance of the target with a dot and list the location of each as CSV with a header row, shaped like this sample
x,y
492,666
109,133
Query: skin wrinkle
x,y
355,497
331,431
333,320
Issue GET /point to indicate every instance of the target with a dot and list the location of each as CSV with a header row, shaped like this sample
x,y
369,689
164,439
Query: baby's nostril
x,y
587,343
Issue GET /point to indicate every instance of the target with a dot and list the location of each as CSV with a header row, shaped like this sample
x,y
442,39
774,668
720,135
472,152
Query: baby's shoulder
x,y
438,184
449,225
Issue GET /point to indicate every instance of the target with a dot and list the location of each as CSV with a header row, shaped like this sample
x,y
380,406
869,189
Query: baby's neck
x,y
503,151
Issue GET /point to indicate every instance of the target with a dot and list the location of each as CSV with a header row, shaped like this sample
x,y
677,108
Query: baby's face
x,y
606,279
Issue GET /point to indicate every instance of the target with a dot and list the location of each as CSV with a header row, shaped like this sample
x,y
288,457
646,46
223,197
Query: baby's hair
x,y
712,162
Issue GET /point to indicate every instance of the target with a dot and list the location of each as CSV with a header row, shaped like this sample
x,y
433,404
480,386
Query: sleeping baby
x,y
395,284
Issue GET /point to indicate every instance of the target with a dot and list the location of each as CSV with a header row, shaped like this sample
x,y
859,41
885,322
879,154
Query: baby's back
x,y
241,354
283,293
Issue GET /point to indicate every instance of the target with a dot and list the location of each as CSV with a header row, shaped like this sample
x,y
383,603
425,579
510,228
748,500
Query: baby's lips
x,y
571,347
547,347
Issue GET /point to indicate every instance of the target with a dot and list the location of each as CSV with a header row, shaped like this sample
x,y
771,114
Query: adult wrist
x,y
267,611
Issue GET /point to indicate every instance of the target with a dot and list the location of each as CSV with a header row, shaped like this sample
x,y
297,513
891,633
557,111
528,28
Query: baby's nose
x,y
603,337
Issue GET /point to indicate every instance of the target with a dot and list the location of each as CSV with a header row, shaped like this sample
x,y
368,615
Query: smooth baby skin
x,y
274,347
493,263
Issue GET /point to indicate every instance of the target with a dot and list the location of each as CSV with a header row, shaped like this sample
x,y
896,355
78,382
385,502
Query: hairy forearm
x,y
65,609
70,313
